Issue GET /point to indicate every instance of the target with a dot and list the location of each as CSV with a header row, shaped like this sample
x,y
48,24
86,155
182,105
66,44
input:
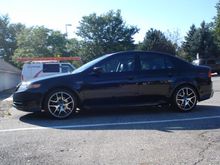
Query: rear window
x,y
51,68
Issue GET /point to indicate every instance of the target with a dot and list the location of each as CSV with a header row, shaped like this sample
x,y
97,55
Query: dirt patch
x,y
5,106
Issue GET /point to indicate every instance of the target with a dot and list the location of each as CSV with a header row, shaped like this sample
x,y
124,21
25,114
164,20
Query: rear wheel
x,y
185,99
60,104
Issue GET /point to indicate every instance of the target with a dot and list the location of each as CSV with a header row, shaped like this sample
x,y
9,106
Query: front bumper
x,y
27,101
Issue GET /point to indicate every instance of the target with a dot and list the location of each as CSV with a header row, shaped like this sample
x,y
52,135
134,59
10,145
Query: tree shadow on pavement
x,y
202,118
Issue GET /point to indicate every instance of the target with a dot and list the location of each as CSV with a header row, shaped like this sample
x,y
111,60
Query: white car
x,y
40,69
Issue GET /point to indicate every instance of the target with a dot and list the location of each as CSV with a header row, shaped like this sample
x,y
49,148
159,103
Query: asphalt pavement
x,y
145,136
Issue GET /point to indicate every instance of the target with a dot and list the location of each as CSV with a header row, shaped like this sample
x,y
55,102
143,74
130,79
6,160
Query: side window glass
x,y
49,68
202,62
152,62
121,63
66,68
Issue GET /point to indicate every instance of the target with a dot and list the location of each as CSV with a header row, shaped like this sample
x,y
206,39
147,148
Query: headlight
x,y
28,85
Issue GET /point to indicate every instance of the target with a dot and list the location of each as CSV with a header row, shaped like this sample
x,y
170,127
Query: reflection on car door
x,y
155,77
116,85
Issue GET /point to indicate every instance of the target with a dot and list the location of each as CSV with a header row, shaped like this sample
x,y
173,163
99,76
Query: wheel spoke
x,y
186,98
61,104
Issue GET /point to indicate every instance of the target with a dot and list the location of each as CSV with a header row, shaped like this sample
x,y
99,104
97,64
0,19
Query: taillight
x,y
210,74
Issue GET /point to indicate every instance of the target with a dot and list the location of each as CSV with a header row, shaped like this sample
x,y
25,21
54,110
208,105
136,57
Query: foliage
x,y
8,32
217,25
200,41
155,40
105,34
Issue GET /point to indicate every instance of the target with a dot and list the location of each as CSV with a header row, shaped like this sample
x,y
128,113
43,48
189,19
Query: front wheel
x,y
184,99
60,104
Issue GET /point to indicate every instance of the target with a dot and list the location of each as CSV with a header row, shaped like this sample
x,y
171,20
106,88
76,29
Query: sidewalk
x,y
6,102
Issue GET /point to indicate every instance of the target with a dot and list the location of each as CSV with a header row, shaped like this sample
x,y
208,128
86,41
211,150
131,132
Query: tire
x,y
184,99
60,104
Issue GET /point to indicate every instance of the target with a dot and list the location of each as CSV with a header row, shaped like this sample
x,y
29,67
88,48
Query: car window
x,y
119,63
151,62
51,68
202,62
66,68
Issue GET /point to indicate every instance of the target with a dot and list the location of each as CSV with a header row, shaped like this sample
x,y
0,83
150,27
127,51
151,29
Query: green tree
x,y
32,42
8,34
56,43
155,40
105,34
190,45
207,47
73,47
40,42
200,41
217,25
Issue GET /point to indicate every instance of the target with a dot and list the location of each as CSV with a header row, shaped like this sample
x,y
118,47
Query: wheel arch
x,y
185,84
61,88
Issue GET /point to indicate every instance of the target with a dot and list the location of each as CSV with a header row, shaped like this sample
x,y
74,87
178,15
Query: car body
x,y
213,63
35,69
122,79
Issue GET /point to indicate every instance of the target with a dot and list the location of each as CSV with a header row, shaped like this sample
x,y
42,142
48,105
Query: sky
x,y
164,15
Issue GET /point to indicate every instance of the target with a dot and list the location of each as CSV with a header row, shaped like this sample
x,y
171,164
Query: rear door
x,y
115,85
155,77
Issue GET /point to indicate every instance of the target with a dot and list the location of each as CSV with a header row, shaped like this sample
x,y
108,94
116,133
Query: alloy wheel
x,y
61,104
186,99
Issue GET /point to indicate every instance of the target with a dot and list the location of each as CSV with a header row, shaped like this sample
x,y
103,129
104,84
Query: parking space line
x,y
107,124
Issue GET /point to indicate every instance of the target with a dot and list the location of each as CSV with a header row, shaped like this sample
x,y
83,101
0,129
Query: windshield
x,y
89,64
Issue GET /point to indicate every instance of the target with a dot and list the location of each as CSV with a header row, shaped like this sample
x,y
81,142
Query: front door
x,y
115,84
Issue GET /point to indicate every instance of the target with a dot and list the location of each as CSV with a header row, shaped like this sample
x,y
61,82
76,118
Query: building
x,y
10,76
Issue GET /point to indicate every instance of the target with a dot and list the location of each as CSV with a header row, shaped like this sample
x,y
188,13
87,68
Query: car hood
x,y
50,77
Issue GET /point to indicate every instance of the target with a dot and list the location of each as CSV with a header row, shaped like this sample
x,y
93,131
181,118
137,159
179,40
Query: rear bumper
x,y
27,101
206,96
206,92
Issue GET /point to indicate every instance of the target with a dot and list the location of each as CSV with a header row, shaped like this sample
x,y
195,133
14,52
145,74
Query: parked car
x,y
122,79
44,68
213,63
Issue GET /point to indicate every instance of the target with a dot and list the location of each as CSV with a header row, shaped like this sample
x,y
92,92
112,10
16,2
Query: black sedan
x,y
122,79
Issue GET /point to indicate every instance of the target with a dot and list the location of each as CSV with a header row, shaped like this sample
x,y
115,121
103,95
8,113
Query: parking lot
x,y
142,136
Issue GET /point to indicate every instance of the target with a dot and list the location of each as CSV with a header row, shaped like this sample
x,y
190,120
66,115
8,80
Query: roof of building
x,y
8,68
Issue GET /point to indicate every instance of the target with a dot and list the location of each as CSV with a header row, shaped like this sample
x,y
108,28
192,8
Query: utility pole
x,y
67,30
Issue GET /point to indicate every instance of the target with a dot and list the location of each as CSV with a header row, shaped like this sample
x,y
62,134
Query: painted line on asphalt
x,y
107,124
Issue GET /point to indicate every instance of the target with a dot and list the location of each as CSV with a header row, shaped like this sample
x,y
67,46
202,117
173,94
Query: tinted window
x,y
51,68
202,62
90,64
119,63
152,62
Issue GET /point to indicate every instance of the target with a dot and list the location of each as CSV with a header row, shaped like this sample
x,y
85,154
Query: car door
x,y
115,83
155,77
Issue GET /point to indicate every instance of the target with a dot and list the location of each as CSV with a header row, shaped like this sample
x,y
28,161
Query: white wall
x,y
9,80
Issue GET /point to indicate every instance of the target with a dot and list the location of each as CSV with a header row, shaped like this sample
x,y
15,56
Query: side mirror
x,y
97,70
